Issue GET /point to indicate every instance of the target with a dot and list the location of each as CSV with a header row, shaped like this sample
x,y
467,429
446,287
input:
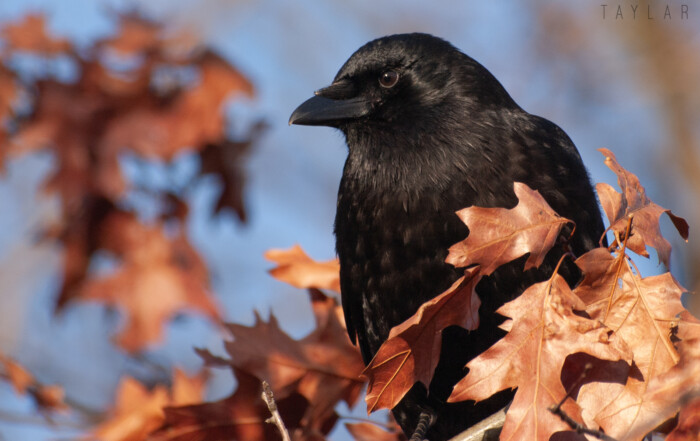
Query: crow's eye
x,y
389,79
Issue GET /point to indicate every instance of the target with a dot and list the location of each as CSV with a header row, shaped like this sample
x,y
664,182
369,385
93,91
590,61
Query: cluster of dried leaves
x,y
616,354
146,92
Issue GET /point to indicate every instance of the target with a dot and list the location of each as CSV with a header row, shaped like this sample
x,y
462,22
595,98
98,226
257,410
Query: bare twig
x,y
486,430
575,425
578,427
276,418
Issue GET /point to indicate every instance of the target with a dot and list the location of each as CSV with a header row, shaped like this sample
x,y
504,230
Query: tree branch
x,y
276,418
486,430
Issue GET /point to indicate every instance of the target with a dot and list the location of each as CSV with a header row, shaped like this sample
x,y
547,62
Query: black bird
x,y
431,131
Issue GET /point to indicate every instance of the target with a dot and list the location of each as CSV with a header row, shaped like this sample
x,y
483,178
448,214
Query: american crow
x,y
430,131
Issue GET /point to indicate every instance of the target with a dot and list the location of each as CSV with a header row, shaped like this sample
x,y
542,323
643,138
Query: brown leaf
x,y
241,416
642,313
372,432
269,353
323,366
137,413
688,428
669,392
80,238
544,332
499,235
30,35
8,90
225,160
633,201
186,389
136,36
8,96
412,350
191,119
159,278
299,270
340,363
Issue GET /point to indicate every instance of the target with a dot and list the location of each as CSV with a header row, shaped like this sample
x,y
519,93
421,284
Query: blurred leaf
x,y
295,267
30,35
158,278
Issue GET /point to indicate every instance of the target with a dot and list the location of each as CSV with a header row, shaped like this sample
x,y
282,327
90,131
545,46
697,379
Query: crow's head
x,y
404,81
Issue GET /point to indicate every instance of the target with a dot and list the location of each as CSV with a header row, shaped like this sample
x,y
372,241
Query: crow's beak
x,y
322,111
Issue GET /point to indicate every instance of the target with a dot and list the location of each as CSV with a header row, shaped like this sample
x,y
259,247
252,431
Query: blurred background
x,y
610,76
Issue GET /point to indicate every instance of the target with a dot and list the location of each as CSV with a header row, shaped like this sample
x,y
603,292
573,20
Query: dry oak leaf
x,y
641,312
672,391
295,267
159,277
239,417
139,411
8,93
225,160
193,117
136,35
633,201
30,35
544,331
323,367
188,389
412,350
499,235
688,428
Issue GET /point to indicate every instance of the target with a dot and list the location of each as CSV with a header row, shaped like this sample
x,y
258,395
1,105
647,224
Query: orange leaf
x,y
323,366
158,279
641,312
544,332
499,235
136,35
138,412
633,201
186,389
295,267
412,350
241,416
688,428
672,391
30,35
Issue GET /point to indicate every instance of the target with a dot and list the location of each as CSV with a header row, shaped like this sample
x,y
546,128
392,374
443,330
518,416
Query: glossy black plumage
x,y
445,137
